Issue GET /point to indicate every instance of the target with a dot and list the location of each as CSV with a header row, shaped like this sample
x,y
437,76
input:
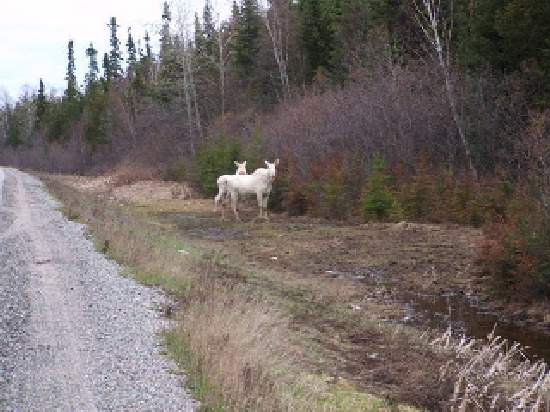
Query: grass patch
x,y
196,380
174,285
237,335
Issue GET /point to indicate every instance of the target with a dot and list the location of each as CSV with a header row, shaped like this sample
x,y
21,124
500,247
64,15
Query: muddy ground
x,y
346,287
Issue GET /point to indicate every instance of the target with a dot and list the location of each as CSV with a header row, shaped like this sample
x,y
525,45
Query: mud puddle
x,y
463,313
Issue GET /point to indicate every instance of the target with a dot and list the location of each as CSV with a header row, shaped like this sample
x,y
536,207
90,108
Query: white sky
x,y
34,35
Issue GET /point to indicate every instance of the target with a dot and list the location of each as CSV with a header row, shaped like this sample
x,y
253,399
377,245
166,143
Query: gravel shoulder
x,y
74,335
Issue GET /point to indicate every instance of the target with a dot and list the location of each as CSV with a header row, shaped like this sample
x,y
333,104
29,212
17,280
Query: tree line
x,y
265,53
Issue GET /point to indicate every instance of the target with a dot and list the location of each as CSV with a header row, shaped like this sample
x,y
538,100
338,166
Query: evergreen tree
x,y
148,51
166,46
209,29
93,69
234,25
71,91
107,72
40,103
246,44
396,19
170,66
503,33
132,53
235,11
140,51
115,57
143,70
199,35
96,115
350,28
316,36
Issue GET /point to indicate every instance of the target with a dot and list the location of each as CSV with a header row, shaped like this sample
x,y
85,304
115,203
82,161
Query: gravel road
x,y
74,335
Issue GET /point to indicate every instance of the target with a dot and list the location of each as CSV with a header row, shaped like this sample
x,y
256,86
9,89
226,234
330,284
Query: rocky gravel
x,y
74,334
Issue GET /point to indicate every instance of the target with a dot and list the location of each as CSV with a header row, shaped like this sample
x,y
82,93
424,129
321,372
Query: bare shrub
x,y
516,253
534,152
396,115
57,157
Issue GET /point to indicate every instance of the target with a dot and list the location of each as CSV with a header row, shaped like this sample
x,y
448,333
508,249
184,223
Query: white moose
x,y
241,168
222,194
259,183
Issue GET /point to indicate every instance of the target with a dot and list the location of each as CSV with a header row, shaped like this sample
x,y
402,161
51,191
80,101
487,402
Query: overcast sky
x,y
34,35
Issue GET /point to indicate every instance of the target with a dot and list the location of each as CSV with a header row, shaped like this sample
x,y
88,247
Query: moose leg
x,y
216,201
220,197
265,200
260,202
224,203
234,200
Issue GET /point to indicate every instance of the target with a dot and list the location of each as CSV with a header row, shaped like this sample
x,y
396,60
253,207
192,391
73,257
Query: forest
x,y
380,110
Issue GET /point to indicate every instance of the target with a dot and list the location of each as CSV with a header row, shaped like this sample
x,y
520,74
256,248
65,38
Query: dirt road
x,y
74,335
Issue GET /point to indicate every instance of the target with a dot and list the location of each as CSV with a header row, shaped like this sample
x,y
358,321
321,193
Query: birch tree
x,y
277,22
226,34
182,29
188,86
438,32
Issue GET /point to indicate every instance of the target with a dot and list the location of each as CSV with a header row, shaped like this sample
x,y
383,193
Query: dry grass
x,y
236,345
240,343
494,375
126,173
246,335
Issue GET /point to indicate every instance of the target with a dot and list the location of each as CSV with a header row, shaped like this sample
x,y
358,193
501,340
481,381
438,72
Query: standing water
x,y
464,317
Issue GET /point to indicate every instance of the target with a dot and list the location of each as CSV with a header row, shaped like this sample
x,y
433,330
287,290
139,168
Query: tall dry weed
x,y
240,342
493,375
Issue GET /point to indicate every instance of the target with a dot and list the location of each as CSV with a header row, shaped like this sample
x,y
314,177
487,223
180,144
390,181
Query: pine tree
x,y
141,80
209,29
246,43
234,25
107,72
148,51
140,51
71,91
93,69
96,116
115,57
132,53
317,34
166,46
394,19
40,103
235,11
170,68
199,35
349,36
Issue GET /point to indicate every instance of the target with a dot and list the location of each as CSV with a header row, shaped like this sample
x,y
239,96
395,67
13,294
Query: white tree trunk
x,y
193,90
433,28
187,95
278,32
221,67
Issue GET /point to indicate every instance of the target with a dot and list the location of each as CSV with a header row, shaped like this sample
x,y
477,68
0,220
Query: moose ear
x,y
276,162
244,163
236,163
266,163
